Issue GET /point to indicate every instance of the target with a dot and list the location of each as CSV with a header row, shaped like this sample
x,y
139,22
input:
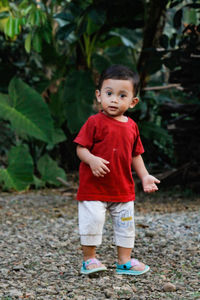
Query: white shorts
x,y
92,216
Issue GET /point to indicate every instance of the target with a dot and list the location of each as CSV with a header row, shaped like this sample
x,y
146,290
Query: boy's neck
x,y
120,118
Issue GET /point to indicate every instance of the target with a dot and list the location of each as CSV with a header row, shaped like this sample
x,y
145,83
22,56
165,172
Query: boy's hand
x,y
98,166
149,184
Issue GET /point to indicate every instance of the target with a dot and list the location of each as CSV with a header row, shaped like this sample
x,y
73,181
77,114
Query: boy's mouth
x,y
112,107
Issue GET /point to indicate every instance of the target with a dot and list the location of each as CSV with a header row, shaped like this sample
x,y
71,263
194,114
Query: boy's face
x,y
116,96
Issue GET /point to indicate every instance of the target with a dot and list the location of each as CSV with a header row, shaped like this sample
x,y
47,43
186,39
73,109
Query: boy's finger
x,y
102,171
156,180
105,161
105,168
98,174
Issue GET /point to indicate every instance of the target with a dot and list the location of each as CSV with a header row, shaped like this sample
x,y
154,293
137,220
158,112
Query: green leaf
x,y
100,62
78,97
14,7
37,42
95,20
27,111
19,174
57,107
17,26
191,16
178,18
47,35
4,3
82,27
26,10
4,15
28,42
65,31
109,42
120,55
97,16
38,183
9,28
37,18
64,16
49,170
158,135
23,21
31,18
58,137
92,27
126,42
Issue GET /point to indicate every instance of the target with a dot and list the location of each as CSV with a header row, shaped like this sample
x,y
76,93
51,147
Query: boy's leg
x,y
91,222
88,252
124,229
124,255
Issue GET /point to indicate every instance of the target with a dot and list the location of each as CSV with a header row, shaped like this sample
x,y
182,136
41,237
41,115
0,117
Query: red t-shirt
x,y
116,142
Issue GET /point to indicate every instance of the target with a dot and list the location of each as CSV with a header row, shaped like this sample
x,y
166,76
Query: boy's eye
x,y
109,93
122,95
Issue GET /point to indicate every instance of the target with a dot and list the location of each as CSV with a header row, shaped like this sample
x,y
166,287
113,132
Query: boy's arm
x,y
97,164
148,181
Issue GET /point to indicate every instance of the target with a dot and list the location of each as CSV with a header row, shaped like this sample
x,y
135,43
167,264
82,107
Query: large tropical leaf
x,y
58,137
158,135
27,111
100,62
120,55
19,174
78,97
49,170
153,131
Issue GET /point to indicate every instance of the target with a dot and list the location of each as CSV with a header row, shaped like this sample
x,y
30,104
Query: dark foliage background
x,y
52,53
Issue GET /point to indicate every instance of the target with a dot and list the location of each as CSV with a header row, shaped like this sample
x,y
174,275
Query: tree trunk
x,y
152,32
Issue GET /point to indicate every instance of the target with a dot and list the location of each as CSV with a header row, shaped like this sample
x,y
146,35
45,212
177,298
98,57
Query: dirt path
x,y
40,256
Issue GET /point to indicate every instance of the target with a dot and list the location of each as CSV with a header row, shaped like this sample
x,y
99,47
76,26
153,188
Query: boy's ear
x,y
98,94
134,102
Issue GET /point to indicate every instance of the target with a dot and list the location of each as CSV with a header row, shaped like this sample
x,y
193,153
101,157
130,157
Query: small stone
x,y
108,293
79,297
180,287
15,293
125,290
4,285
51,291
192,249
134,288
149,234
169,287
116,288
4,271
18,267
48,254
70,295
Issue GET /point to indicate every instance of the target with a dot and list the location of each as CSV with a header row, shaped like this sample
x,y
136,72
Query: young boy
x,y
108,145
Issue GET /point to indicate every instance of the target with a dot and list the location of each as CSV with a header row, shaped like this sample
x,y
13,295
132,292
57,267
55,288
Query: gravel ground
x,y
40,255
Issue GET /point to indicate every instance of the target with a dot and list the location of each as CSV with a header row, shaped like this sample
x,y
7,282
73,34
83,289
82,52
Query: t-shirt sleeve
x,y
137,146
86,134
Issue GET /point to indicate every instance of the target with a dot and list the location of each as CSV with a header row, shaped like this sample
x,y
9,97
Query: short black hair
x,y
120,72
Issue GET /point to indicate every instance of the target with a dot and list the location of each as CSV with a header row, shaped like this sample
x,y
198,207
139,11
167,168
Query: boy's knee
x,y
92,225
91,218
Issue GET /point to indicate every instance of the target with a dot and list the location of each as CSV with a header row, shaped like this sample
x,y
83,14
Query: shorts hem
x,y
91,240
124,242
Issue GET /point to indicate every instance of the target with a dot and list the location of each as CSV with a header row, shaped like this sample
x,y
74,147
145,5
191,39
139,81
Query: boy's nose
x,y
114,99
